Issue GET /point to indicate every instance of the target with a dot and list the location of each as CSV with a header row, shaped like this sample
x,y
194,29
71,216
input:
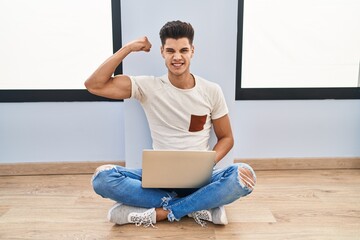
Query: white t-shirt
x,y
179,118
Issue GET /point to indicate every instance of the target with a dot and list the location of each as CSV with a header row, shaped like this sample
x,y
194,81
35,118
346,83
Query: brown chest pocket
x,y
197,123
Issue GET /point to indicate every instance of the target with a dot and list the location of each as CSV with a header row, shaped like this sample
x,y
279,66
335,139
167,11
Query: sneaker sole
x,y
111,209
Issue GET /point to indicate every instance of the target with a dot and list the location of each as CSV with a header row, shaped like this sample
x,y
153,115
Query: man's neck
x,y
184,81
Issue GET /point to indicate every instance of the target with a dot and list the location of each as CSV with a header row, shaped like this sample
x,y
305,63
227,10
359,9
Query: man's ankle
x,y
161,214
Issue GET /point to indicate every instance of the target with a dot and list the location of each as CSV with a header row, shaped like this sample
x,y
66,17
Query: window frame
x,y
69,95
282,93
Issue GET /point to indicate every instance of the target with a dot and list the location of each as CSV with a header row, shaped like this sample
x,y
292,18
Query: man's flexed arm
x,y
101,81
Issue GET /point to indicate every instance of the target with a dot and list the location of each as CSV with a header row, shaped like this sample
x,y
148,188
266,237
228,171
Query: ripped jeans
x,y
124,185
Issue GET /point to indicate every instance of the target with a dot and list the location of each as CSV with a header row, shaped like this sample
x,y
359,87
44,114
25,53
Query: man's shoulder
x,y
147,80
145,86
206,83
142,78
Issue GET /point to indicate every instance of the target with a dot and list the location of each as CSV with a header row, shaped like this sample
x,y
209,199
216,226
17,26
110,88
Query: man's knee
x,y
247,177
97,182
104,168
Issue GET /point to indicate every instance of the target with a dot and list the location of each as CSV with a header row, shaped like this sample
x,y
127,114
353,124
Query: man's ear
x,y
192,50
162,51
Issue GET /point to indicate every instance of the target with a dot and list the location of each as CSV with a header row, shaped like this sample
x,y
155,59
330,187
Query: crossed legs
x,y
124,185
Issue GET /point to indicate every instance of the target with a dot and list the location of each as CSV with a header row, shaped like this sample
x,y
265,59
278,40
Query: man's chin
x,y
177,72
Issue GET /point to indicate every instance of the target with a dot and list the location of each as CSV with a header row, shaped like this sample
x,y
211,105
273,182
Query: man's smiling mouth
x,y
177,64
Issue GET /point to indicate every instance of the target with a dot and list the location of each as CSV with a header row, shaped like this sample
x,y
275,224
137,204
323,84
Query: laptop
x,y
176,168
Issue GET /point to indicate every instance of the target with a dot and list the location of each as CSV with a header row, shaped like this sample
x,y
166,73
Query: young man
x,y
181,108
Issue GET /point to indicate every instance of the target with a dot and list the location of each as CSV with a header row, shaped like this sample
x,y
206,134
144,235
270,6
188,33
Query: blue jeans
x,y
124,185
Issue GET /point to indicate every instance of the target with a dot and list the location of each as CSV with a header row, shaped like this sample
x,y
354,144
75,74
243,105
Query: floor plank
x,y
288,204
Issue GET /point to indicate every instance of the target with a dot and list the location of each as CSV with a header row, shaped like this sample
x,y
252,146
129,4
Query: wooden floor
x,y
292,204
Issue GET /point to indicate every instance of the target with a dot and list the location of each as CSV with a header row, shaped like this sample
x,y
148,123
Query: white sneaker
x,y
214,215
123,214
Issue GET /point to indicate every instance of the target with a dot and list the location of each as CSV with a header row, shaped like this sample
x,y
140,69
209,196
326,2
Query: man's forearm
x,y
222,147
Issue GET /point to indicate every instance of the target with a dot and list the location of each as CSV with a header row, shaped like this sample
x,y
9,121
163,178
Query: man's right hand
x,y
141,44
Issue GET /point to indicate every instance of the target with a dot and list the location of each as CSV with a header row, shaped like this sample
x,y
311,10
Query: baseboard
x,y
12,169
302,163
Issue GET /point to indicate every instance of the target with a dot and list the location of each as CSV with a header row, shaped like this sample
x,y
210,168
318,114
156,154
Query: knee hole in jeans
x,y
104,167
101,169
246,177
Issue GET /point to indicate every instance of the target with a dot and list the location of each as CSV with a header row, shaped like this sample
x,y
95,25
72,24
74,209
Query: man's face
x,y
177,54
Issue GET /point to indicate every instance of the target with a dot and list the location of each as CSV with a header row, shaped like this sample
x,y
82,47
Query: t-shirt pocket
x,y
197,123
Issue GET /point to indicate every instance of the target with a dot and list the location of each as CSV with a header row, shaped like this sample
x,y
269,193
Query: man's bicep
x,y
122,86
118,87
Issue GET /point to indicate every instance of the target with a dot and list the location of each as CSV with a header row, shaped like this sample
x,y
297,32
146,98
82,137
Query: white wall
x,y
311,128
214,58
94,131
52,132
61,132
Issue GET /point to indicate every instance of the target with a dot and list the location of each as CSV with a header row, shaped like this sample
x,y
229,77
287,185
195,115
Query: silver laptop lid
x,y
176,168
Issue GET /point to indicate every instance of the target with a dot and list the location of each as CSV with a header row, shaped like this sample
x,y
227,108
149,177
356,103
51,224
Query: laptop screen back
x,y
176,168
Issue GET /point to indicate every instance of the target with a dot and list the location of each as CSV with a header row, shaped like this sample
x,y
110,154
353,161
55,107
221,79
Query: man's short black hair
x,y
176,29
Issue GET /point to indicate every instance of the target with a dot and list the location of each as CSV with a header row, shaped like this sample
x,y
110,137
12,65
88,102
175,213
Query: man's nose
x,y
177,56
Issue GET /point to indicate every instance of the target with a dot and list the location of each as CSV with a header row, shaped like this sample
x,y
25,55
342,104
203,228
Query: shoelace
x,y
199,216
143,219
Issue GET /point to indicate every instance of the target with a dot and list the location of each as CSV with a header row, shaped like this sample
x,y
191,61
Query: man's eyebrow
x,y
184,48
